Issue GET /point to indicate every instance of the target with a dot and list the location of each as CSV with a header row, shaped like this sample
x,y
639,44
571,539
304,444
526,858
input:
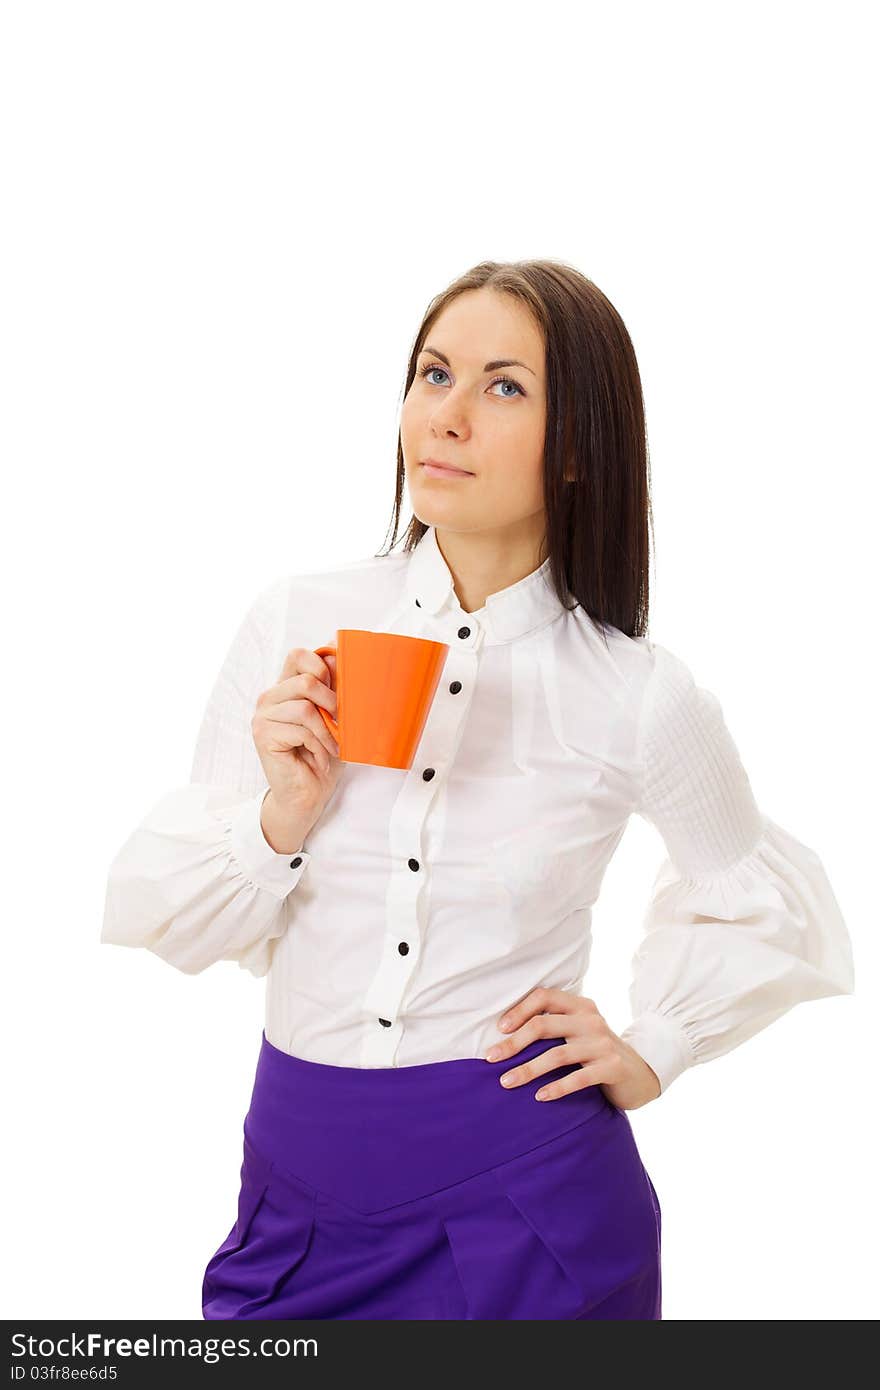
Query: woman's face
x,y
490,420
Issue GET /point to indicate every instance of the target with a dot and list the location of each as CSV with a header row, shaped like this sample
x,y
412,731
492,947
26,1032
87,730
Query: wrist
x,y
285,825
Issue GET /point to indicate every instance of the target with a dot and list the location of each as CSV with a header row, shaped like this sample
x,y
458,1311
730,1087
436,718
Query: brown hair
x,y
596,458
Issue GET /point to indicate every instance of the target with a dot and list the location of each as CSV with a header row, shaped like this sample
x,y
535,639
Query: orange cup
x,y
385,684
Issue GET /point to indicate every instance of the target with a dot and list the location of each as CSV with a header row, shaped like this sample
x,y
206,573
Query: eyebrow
x,y
489,367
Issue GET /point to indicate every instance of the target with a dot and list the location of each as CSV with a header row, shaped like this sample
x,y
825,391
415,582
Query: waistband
x,y
372,1137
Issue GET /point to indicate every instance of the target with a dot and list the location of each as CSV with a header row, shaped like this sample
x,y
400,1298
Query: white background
x,y
222,225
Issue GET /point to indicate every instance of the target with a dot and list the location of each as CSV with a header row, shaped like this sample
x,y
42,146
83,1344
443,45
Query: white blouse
x,y
425,902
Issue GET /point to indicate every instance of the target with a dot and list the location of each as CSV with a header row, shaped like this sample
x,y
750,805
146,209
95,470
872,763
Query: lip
x,y
443,470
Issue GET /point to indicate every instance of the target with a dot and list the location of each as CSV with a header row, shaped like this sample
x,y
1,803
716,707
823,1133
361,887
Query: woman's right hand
x,y
300,756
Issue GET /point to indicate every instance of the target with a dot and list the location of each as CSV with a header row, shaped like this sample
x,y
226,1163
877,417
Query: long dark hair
x,y
596,459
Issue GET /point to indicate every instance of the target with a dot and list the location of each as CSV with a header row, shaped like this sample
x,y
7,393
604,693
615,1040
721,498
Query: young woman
x,y
438,1123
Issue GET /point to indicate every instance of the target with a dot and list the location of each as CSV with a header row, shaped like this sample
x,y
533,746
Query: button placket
x,y
409,881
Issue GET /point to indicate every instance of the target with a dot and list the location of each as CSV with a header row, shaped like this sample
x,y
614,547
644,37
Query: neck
x,y
482,562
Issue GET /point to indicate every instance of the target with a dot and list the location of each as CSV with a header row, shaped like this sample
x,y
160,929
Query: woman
x,y
425,933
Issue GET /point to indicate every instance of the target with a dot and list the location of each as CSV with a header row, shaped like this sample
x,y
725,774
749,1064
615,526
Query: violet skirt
x,y
431,1191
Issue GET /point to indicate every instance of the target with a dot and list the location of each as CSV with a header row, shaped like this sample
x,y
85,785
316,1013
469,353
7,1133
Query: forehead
x,y
482,324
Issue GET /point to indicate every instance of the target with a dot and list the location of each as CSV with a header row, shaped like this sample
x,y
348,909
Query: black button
x,y
385,1022
295,863
413,864
427,774
403,948
464,632
418,605
455,687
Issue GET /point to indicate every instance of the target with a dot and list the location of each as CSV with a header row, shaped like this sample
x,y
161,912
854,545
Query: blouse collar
x,y
508,613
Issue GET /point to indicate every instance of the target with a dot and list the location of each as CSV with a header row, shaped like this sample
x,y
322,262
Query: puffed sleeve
x,y
742,923
196,881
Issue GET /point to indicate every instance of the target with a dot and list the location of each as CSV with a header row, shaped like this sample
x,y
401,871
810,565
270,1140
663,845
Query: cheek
x,y
518,485
413,426
520,444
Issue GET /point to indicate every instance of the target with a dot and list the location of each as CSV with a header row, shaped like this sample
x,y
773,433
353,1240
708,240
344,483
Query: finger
x,y
537,1000
325,762
302,660
302,712
314,745
561,1056
301,685
319,759
323,757
288,736
313,762
541,1026
588,1074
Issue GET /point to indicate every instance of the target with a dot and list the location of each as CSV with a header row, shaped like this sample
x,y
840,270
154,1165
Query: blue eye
x,y
424,371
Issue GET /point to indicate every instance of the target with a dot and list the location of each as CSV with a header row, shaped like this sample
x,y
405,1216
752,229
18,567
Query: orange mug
x,y
385,684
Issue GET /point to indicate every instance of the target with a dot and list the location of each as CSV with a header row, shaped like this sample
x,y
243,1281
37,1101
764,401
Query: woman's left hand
x,y
605,1059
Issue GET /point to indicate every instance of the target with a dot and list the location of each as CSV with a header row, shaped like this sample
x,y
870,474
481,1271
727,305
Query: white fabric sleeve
x,y
196,881
743,922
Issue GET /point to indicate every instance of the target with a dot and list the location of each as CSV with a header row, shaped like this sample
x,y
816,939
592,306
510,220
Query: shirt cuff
x,y
277,873
663,1044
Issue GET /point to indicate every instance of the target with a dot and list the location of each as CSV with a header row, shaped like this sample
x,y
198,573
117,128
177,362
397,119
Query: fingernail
x,y
493,1054
505,1023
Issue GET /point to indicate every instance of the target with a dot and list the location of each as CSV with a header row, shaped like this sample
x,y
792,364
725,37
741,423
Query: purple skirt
x,y
431,1191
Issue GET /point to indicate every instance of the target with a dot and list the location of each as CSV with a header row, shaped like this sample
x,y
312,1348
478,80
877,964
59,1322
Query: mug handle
x,y
329,650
